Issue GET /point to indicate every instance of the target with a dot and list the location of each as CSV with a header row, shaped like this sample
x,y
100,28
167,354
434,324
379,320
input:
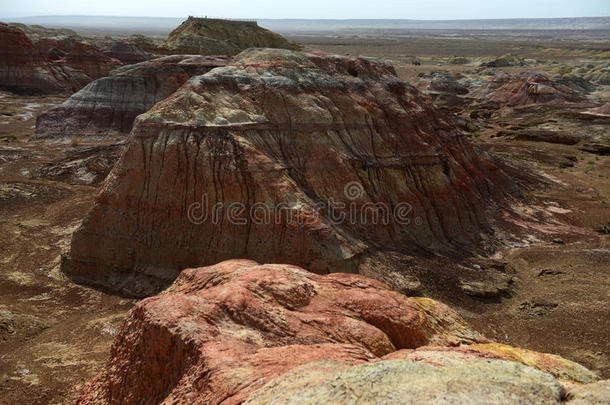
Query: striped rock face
x,y
24,69
300,158
110,104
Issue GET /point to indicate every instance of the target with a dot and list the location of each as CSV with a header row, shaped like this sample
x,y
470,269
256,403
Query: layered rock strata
x,y
25,70
109,105
302,158
208,36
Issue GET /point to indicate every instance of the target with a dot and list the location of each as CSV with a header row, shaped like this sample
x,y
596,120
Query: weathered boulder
x,y
239,331
208,36
80,56
406,382
302,158
23,69
221,332
533,88
109,105
560,368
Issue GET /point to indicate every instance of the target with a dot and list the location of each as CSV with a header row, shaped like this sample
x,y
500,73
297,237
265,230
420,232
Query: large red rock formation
x,y
79,55
111,104
220,333
529,88
302,158
23,69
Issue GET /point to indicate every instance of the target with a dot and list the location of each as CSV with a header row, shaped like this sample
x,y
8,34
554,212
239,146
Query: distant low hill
x,y
163,25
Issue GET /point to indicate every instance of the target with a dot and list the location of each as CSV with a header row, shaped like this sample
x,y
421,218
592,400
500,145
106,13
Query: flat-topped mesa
x,y
209,36
302,158
110,105
531,88
24,69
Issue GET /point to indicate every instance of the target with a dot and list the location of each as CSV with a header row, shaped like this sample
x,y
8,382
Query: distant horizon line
x,y
309,19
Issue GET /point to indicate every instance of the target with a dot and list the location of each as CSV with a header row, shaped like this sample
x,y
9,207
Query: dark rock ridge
x,y
110,104
240,331
302,158
127,51
208,36
24,69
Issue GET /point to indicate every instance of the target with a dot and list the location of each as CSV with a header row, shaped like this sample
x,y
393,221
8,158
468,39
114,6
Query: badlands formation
x,y
111,104
286,136
208,36
248,223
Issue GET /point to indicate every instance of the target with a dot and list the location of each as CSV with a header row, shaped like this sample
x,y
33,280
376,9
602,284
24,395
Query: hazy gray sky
x,y
408,9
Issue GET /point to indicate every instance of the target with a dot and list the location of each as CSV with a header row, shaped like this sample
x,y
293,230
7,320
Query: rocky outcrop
x,y
528,88
240,331
443,88
109,105
23,69
405,382
36,32
208,36
128,52
82,165
302,158
80,56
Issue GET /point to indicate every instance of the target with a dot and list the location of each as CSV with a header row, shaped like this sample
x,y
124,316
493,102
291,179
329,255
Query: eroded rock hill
x,y
80,56
240,331
308,159
109,105
25,70
529,88
127,51
208,36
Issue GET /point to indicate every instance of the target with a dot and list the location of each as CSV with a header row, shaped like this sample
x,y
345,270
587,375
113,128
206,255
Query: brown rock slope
x,y
24,69
80,56
306,159
242,331
128,52
208,36
111,104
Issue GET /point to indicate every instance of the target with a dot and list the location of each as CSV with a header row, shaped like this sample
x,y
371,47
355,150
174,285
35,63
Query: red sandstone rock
x,y
81,56
221,332
23,69
109,105
529,88
237,163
